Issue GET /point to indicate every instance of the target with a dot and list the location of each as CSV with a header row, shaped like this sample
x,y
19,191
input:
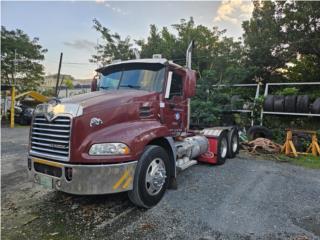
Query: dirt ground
x,y
243,199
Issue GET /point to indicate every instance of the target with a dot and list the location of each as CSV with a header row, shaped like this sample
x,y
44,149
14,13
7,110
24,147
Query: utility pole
x,y
58,76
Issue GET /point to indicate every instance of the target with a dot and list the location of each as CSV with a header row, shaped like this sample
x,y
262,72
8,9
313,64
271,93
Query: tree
x,y
263,40
69,84
27,70
113,47
300,22
282,32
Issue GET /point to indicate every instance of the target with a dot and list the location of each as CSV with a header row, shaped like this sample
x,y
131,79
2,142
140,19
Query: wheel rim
x,y
234,144
223,147
155,176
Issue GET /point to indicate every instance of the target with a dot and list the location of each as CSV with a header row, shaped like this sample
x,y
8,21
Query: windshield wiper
x,y
104,87
130,86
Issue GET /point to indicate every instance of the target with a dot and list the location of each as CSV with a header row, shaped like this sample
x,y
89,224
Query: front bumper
x,y
85,179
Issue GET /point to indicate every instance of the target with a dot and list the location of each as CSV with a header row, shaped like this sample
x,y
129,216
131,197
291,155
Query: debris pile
x,y
262,145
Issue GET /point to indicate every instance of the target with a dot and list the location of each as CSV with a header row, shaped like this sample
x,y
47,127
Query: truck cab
x,y
131,133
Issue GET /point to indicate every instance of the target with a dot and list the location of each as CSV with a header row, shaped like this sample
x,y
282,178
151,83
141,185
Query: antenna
x,y
189,54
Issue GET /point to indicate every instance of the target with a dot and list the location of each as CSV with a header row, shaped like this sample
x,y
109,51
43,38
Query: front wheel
x,y
151,177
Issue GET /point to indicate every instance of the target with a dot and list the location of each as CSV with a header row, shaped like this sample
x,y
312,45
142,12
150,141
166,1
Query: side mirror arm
x,y
168,87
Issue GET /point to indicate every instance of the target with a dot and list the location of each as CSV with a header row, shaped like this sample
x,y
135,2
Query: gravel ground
x,y
243,199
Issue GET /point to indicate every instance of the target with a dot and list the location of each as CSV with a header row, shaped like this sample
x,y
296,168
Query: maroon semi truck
x,y
131,133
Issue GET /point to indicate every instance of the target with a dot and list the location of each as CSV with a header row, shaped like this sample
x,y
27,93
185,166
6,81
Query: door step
x,y
182,165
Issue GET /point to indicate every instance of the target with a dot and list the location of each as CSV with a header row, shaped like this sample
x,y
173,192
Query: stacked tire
x,y
303,104
290,104
315,108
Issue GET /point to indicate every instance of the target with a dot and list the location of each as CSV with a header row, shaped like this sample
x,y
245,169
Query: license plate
x,y
45,181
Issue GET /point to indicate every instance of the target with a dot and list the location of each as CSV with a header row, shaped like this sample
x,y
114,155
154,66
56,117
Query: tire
x,y
303,104
222,152
268,103
143,194
233,143
259,131
315,108
278,104
290,103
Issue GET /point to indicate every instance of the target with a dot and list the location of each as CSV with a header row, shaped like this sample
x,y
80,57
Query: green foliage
x,y
262,39
304,69
307,161
68,83
49,92
301,28
288,91
113,47
27,71
282,32
257,107
204,113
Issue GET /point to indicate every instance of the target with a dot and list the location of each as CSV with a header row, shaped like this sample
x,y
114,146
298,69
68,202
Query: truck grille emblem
x,y
49,116
95,122
58,146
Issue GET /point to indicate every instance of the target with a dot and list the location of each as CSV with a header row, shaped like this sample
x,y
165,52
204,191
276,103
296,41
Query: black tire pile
x,y
291,104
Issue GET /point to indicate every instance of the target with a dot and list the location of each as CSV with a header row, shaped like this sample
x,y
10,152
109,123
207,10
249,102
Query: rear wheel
x,y
222,152
233,142
150,180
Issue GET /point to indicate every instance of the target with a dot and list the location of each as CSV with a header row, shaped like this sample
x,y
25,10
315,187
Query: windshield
x,y
148,78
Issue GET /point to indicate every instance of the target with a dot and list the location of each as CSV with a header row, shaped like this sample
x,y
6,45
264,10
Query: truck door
x,y
176,105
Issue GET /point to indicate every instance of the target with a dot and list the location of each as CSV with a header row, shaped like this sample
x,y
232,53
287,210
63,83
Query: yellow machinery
x,y
289,149
35,95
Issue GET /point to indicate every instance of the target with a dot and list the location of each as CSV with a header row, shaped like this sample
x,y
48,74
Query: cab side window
x,y
176,86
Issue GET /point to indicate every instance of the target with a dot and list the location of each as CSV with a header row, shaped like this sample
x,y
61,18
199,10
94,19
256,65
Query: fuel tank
x,y
191,147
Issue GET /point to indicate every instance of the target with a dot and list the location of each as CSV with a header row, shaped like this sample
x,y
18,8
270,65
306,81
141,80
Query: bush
x,y
288,91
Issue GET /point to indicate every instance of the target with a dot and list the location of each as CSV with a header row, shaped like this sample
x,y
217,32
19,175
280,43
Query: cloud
x,y
115,9
81,44
234,11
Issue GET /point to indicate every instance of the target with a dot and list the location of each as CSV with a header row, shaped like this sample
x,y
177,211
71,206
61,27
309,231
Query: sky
x,y
67,26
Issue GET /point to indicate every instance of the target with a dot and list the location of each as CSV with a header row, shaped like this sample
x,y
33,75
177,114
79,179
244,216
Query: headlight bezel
x,y
109,149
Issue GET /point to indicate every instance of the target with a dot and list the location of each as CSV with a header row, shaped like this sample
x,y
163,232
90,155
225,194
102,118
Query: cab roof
x,y
162,61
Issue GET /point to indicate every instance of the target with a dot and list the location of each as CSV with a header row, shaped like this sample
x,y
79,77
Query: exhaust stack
x,y
189,54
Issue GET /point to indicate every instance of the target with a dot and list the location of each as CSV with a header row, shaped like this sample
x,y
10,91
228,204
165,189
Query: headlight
x,y
109,149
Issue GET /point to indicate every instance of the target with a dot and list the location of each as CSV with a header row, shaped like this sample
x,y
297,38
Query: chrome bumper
x,y
86,179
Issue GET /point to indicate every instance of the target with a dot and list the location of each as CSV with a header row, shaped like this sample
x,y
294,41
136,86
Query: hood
x,y
110,98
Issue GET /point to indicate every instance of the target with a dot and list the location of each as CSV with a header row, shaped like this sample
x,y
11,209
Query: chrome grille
x,y
51,139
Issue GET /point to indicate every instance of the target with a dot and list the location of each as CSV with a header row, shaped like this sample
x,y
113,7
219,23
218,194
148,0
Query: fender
x,y
136,134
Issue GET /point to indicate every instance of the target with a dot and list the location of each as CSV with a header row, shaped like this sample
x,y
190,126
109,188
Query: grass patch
x,y
307,161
